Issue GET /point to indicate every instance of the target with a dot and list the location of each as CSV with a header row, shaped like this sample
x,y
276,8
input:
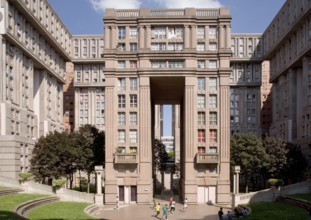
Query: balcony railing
x,y
126,158
207,158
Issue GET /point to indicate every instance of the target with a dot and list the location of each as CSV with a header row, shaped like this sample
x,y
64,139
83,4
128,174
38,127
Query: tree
x,y
296,165
52,157
248,152
160,155
90,147
277,152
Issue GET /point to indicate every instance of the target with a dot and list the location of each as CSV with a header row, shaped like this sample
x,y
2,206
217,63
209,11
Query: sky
x,y
83,17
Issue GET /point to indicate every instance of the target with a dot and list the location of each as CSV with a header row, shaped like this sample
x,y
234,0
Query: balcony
x,y
126,158
207,158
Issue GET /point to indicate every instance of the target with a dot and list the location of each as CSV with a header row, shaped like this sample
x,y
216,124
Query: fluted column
x,y
186,36
228,36
148,37
144,184
223,195
189,149
141,37
222,37
107,37
193,36
114,37
144,120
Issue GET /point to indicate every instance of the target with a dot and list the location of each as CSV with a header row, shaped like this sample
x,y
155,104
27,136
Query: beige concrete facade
x,y
89,80
34,47
287,43
249,86
162,51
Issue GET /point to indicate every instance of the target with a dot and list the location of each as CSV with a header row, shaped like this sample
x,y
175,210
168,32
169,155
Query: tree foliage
x,y
59,154
160,155
277,151
248,152
296,164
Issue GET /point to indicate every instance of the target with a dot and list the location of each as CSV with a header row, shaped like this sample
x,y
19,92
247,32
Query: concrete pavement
x,y
146,212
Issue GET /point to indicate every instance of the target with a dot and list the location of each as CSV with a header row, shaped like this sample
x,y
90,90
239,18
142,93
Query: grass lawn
x,y
276,211
302,196
60,210
8,204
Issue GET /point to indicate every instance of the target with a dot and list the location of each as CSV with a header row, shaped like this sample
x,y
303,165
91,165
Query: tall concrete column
x,y
186,36
144,184
141,37
107,37
223,195
190,116
110,116
193,36
114,37
222,37
148,37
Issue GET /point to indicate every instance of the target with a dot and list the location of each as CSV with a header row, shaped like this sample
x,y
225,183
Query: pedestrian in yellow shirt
x,y
157,208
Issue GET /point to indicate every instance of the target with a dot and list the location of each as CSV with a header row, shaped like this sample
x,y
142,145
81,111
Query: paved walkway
x,y
145,212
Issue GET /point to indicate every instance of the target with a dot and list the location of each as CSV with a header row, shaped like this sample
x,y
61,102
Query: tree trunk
x,y
71,180
80,181
88,182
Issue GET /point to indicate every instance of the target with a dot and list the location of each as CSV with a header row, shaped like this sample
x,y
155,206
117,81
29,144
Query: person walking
x,y
172,207
157,208
171,201
165,212
220,214
185,205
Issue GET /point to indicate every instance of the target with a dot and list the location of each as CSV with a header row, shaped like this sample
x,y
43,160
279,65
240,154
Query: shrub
x,y
25,176
275,182
59,182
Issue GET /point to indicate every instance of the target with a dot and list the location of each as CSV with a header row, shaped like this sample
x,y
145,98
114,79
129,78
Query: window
x,y
212,32
121,136
133,64
201,101
121,101
121,84
133,118
175,32
213,118
201,136
121,32
121,47
158,64
213,136
201,64
213,101
201,150
176,64
121,64
133,46
133,101
158,32
212,150
212,84
201,118
201,84
133,84
133,32
201,47
175,46
212,46
133,150
212,64
121,118
133,136
201,32
158,46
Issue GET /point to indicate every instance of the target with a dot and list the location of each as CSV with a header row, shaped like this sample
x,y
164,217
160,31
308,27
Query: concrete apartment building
x,y
287,45
250,104
187,58
34,48
167,57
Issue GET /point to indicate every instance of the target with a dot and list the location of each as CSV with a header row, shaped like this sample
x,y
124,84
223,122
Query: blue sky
x,y
86,17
